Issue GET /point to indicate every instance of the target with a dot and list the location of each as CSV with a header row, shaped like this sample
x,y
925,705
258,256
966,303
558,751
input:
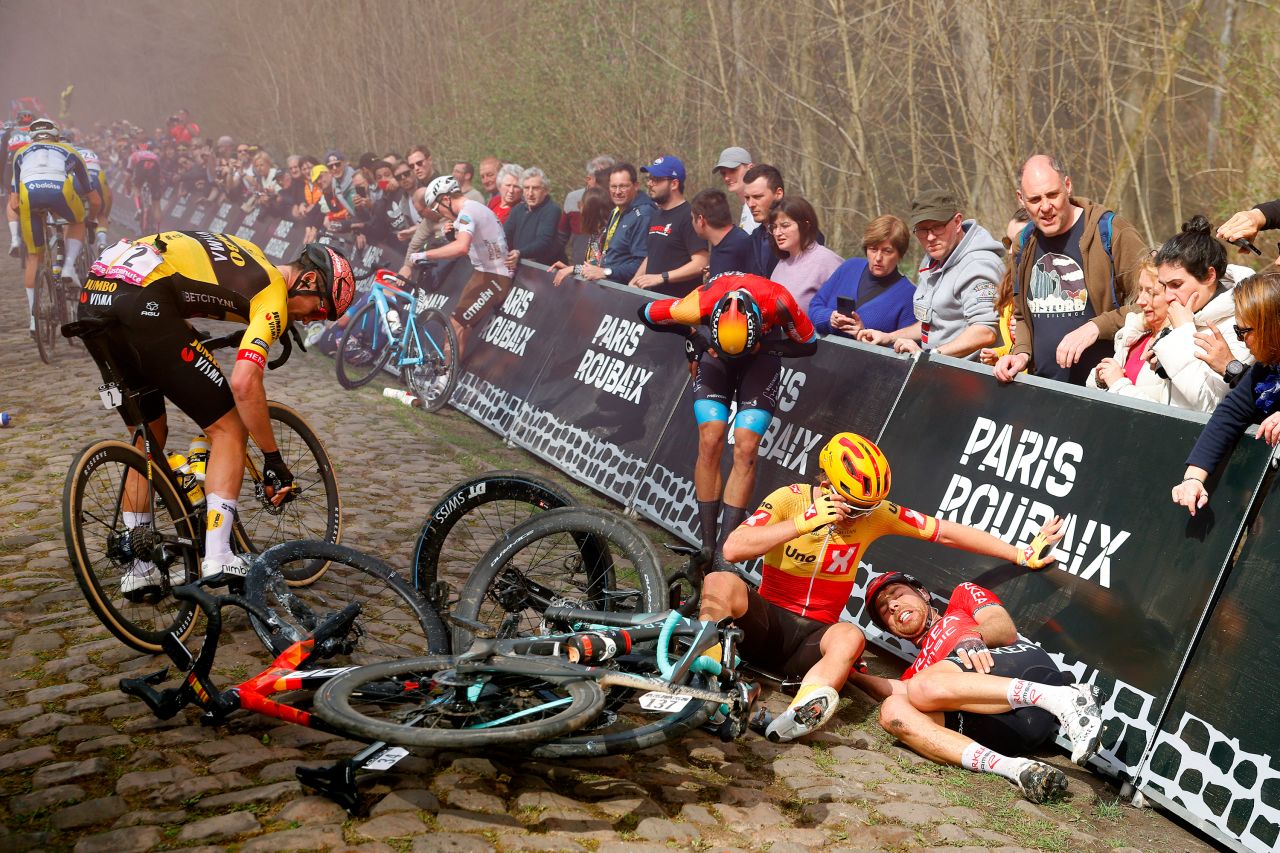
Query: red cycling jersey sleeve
x,y
778,308
958,622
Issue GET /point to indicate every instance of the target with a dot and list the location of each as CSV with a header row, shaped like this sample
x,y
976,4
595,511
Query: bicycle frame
x,y
388,294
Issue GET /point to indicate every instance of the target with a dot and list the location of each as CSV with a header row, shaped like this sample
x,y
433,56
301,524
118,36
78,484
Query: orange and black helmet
x,y
736,324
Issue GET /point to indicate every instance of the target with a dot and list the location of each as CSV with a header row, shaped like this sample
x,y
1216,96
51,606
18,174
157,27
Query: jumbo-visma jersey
x,y
218,276
813,574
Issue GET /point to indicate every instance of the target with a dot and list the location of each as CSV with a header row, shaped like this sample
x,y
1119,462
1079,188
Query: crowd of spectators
x,y
1068,291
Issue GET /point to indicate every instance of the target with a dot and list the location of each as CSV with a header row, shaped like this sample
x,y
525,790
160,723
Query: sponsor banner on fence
x,y
505,352
1217,756
843,387
1134,574
606,392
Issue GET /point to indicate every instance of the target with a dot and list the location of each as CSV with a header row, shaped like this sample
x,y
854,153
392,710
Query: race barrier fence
x,y
1173,617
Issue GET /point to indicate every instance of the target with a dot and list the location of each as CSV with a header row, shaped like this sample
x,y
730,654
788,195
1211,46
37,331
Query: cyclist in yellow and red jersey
x,y
50,177
811,538
753,323
152,286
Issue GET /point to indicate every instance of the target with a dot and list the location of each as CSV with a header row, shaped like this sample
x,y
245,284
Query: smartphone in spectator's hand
x,y
846,305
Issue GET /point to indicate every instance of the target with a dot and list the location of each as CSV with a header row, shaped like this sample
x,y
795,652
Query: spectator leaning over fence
x,y
1246,224
977,695
1254,400
292,183
464,173
489,167
1181,348
310,214
871,293
627,233
531,227
1075,262
954,302
478,234
509,192
570,226
675,255
731,247
596,210
812,537
732,165
804,265
389,215
763,189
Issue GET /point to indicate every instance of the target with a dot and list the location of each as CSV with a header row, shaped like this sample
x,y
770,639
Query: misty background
x,y
1161,109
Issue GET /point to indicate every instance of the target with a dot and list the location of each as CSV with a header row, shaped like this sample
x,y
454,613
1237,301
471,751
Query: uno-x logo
x,y
840,559
761,517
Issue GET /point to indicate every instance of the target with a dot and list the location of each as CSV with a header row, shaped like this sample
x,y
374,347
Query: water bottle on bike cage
x,y
187,479
393,320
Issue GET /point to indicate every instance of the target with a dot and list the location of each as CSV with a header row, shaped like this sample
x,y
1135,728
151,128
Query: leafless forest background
x,y
1161,108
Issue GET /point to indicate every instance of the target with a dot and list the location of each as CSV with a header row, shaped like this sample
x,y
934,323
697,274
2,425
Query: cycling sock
x,y
979,759
218,523
1059,701
729,521
73,252
13,232
135,519
803,693
708,512
31,304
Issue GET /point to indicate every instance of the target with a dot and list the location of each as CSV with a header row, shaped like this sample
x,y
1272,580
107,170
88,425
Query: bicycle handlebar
x,y
233,338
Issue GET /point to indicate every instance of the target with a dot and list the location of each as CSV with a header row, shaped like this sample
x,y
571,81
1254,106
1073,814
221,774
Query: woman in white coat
x,y
1180,349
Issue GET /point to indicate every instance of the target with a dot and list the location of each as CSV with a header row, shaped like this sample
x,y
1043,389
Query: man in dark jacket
x,y
531,227
626,236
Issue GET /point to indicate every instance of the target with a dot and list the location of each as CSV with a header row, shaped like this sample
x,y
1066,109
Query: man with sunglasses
x,y
151,286
389,213
477,233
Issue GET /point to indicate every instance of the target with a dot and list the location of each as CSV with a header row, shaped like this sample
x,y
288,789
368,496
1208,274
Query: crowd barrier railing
x,y
1150,604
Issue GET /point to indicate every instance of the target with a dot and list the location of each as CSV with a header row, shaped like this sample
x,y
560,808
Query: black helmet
x,y
339,284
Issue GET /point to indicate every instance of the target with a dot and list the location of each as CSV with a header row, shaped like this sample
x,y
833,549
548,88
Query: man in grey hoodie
x,y
955,296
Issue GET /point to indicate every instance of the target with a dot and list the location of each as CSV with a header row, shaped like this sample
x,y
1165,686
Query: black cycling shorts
x,y
752,380
155,348
780,642
481,296
1021,730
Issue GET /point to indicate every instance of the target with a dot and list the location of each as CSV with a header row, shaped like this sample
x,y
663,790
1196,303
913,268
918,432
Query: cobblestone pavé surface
x,y
84,768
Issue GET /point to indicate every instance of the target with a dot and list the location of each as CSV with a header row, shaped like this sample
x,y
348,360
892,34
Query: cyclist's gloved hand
x,y
695,345
1039,553
821,512
277,477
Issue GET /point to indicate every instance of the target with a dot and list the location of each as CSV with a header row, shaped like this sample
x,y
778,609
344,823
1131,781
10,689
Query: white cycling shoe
x,y
142,579
1083,724
229,567
808,716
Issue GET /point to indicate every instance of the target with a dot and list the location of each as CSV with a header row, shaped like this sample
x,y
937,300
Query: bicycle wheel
x,y
435,346
395,622
427,702
316,512
46,310
364,347
624,726
581,556
473,515
102,546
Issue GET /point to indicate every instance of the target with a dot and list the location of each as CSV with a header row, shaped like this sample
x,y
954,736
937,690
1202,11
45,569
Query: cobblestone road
x,y
83,767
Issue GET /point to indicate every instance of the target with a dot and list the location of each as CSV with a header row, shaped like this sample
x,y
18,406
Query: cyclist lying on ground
x,y
977,695
152,285
811,538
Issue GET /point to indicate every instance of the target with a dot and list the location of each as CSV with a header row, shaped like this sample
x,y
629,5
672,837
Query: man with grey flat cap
x,y
732,165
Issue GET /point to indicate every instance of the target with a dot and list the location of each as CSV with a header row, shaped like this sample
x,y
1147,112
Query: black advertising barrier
x,y
506,351
606,390
1135,573
1216,758
843,387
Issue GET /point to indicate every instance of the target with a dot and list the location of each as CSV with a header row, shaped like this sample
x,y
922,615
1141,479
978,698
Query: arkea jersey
x,y
488,241
219,276
19,139
778,308
813,574
953,626
51,162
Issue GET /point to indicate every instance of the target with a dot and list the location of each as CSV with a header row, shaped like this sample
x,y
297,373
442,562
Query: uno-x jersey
x,y
957,623
47,161
778,308
813,574
218,276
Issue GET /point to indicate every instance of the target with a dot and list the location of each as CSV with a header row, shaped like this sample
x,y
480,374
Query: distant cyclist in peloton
x,y
753,323
477,233
15,138
50,177
152,285
144,169
93,164
812,538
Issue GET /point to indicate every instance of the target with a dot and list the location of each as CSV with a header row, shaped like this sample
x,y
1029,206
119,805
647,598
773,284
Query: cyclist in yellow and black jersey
x,y
151,286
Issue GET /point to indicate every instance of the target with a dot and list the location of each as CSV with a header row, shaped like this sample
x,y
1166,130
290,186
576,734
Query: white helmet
x,y
43,128
444,185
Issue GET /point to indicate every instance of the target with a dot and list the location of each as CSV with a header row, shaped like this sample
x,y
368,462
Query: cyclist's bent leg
x,y
481,296
15,233
30,198
757,392
74,213
712,387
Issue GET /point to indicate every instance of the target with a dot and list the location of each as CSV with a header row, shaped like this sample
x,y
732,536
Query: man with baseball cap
x,y
732,165
676,254
956,292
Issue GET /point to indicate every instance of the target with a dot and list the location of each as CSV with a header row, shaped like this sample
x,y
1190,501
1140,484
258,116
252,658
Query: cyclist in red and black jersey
x,y
753,323
978,695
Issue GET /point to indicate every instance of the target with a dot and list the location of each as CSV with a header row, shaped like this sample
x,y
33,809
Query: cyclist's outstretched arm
x,y
251,402
801,338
